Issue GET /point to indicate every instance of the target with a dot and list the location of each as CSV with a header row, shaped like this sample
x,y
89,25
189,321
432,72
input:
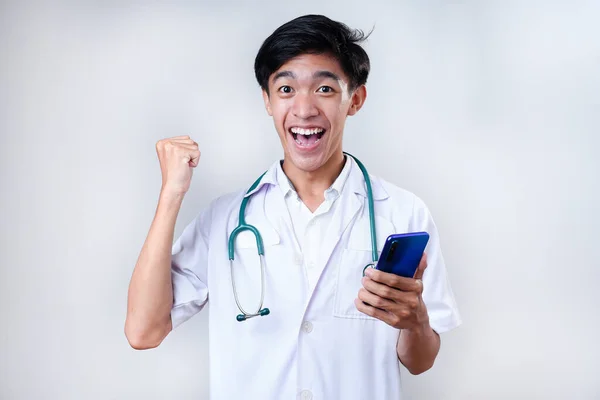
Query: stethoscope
x,y
243,226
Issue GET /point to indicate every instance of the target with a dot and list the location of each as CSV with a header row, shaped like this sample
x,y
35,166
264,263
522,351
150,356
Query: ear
x,y
267,102
358,99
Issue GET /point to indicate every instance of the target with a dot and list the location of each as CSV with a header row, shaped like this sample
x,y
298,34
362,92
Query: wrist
x,y
169,202
419,330
421,326
170,196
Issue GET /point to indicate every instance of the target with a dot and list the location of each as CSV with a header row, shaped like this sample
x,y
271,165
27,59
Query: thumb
x,y
194,158
421,269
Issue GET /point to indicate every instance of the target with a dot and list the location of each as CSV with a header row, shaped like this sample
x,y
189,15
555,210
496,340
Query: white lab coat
x,y
314,344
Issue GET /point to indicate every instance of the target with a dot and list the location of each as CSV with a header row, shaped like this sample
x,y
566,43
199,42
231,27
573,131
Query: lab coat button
x,y
306,395
298,259
307,327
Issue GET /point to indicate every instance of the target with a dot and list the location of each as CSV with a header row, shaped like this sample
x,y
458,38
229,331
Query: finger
x,y
195,158
422,265
174,139
375,300
177,151
173,145
186,153
388,292
185,146
187,141
191,156
393,280
381,315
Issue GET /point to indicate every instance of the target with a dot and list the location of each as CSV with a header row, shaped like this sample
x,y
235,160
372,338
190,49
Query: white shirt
x,y
310,228
314,344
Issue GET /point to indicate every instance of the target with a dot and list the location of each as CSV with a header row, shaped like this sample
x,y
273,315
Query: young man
x,y
331,333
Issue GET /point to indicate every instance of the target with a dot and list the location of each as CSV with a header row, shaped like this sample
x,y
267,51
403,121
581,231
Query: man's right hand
x,y
177,156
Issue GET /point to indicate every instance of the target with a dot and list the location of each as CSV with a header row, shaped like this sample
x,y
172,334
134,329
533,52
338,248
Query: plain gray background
x,y
488,110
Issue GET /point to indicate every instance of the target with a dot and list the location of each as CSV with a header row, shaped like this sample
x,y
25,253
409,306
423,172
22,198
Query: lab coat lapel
x,y
267,206
350,205
344,214
277,214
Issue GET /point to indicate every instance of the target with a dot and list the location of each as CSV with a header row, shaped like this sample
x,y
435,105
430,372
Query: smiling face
x,y
309,101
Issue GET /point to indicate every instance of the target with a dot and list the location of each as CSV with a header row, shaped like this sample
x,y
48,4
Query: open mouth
x,y
307,137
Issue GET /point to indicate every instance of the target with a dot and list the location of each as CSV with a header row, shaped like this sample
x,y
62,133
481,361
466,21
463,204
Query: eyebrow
x,y
284,74
326,74
316,75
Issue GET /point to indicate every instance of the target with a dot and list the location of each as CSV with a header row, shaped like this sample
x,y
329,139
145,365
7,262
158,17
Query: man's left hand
x,y
393,299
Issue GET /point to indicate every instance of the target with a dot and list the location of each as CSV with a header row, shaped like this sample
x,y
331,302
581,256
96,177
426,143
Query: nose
x,y
304,106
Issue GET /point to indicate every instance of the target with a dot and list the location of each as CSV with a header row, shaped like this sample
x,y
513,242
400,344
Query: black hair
x,y
313,34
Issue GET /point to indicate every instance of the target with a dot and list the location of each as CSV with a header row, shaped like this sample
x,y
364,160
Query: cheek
x,y
338,109
278,111
337,114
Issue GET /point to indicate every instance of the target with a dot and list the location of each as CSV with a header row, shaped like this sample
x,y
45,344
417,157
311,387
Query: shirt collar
x,y
333,192
351,176
283,181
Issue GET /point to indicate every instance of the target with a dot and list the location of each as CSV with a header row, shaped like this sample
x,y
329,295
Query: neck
x,y
311,185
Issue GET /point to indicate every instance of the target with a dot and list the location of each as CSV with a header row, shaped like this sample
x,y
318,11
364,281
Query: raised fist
x,y
177,156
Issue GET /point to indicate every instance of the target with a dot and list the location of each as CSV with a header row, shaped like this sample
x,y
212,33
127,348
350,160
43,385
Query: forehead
x,y
306,65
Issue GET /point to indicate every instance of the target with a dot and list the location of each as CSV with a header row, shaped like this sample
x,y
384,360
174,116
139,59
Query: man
x,y
331,333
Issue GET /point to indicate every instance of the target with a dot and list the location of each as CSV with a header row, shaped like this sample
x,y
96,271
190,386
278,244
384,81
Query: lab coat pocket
x,y
349,283
355,256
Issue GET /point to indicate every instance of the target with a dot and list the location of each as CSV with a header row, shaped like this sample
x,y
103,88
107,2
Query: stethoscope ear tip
x,y
241,317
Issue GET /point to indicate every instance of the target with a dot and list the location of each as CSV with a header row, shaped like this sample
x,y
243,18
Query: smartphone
x,y
402,253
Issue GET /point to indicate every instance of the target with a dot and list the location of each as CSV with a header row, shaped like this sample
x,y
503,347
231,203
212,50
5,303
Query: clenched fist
x,y
177,156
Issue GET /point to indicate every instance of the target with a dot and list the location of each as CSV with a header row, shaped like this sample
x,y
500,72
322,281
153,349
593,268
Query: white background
x,y
488,110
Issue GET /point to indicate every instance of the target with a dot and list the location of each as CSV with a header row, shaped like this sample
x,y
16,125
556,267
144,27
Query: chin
x,y
306,163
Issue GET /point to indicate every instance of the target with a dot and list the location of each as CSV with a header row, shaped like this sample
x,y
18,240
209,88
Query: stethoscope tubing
x,y
243,226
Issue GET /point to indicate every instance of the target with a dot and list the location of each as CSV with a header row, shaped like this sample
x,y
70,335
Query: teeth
x,y
301,131
300,143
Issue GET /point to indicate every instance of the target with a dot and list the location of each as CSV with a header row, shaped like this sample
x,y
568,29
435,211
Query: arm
x,y
418,348
150,295
398,302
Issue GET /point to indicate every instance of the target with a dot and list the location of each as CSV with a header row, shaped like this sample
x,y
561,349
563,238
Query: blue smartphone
x,y
402,253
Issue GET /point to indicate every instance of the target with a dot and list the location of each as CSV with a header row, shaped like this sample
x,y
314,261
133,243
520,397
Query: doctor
x,y
320,339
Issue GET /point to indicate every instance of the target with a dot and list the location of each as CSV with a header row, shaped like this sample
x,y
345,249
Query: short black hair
x,y
314,34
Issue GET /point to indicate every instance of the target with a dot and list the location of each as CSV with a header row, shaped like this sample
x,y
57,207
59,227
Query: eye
x,y
325,89
285,89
